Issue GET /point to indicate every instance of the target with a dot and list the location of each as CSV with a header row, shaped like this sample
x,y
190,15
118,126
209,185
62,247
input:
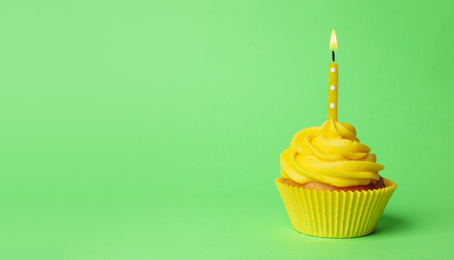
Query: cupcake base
x,y
335,214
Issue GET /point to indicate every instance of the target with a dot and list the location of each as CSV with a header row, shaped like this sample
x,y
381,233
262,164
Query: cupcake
x,y
330,183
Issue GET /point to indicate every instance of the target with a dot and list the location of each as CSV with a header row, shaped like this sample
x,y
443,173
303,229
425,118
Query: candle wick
x,y
334,56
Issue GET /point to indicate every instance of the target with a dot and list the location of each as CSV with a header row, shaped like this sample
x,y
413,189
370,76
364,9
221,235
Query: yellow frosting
x,y
329,154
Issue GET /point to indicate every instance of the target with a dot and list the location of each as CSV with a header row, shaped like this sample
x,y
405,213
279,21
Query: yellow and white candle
x,y
332,91
333,81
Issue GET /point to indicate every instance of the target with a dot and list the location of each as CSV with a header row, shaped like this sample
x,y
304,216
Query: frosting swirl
x,y
329,154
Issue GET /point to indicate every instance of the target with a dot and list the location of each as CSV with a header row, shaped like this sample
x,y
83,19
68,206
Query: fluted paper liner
x,y
336,214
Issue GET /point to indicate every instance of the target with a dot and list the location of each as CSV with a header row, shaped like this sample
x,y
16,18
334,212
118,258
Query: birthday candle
x,y
332,80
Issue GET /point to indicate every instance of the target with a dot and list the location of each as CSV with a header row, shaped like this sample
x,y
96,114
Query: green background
x,y
152,129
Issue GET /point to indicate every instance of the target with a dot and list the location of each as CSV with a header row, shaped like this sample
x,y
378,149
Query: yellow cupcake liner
x,y
335,214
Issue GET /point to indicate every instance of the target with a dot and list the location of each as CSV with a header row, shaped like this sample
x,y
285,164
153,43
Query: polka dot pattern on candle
x,y
333,88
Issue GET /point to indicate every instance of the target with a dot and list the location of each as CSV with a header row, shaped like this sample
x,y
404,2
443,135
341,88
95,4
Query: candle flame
x,y
333,41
